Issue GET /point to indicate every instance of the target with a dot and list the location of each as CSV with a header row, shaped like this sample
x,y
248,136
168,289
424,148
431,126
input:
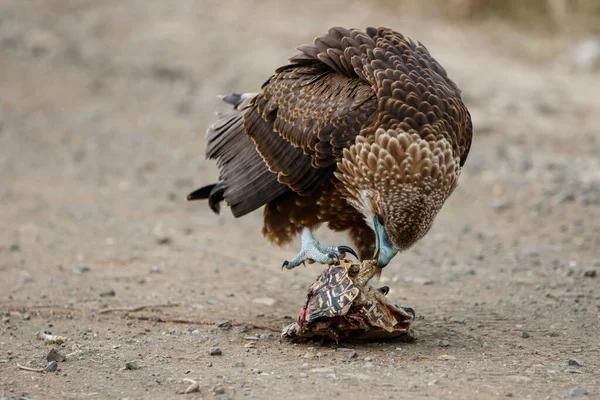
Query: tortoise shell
x,y
341,304
330,295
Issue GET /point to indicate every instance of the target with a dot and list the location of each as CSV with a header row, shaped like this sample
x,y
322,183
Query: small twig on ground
x,y
194,387
203,322
138,308
41,370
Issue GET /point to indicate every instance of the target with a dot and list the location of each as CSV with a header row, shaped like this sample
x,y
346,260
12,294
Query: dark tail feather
x,y
214,194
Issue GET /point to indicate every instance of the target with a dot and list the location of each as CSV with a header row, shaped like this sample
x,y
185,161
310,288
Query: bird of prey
x,y
362,131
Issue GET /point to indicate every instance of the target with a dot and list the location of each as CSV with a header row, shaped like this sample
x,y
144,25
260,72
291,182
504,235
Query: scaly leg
x,y
313,251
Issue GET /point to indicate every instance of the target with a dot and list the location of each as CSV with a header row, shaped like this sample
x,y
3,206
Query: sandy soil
x,y
103,108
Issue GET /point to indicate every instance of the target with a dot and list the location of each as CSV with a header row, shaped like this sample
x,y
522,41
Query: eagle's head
x,y
398,181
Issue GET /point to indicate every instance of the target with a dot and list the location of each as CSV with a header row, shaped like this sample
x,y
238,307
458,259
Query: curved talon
x,y
285,264
384,290
410,311
346,249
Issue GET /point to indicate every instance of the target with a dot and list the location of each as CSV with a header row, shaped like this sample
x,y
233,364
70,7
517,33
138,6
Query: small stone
x,y
108,293
352,354
218,390
55,355
26,317
163,240
459,320
131,366
302,375
590,273
575,362
251,338
368,359
577,392
81,269
14,247
267,301
446,357
155,269
225,325
444,343
239,364
525,335
215,351
51,367
501,204
585,55
420,280
250,345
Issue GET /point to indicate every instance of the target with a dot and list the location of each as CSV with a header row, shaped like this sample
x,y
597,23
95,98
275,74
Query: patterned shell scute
x,y
331,294
379,315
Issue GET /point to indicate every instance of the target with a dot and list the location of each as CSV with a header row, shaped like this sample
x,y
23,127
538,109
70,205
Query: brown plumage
x,y
359,126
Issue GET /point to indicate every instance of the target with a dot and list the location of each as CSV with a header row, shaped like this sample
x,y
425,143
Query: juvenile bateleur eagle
x,y
363,131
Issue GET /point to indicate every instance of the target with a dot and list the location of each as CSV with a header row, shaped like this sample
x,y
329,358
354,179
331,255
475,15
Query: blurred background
x,y
103,109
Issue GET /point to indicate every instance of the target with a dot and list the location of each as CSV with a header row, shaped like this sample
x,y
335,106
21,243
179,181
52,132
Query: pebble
x,y
267,301
218,390
108,293
577,392
14,247
155,269
251,338
81,269
459,320
239,364
51,367
575,362
225,325
352,354
368,359
525,335
131,366
215,351
585,55
26,317
420,280
501,204
444,343
590,273
163,240
55,355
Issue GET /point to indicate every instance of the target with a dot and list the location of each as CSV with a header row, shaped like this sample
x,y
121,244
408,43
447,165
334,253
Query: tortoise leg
x,y
314,251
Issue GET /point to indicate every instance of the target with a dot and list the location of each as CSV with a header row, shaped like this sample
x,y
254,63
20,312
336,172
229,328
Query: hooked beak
x,y
384,248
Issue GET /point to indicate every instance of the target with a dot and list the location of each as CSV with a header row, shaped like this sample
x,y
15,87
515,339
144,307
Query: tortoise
x,y
340,304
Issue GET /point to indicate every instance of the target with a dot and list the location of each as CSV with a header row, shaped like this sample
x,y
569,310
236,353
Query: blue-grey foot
x,y
314,251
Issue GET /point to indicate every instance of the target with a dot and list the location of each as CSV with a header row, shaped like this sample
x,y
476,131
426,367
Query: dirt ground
x,y
103,108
